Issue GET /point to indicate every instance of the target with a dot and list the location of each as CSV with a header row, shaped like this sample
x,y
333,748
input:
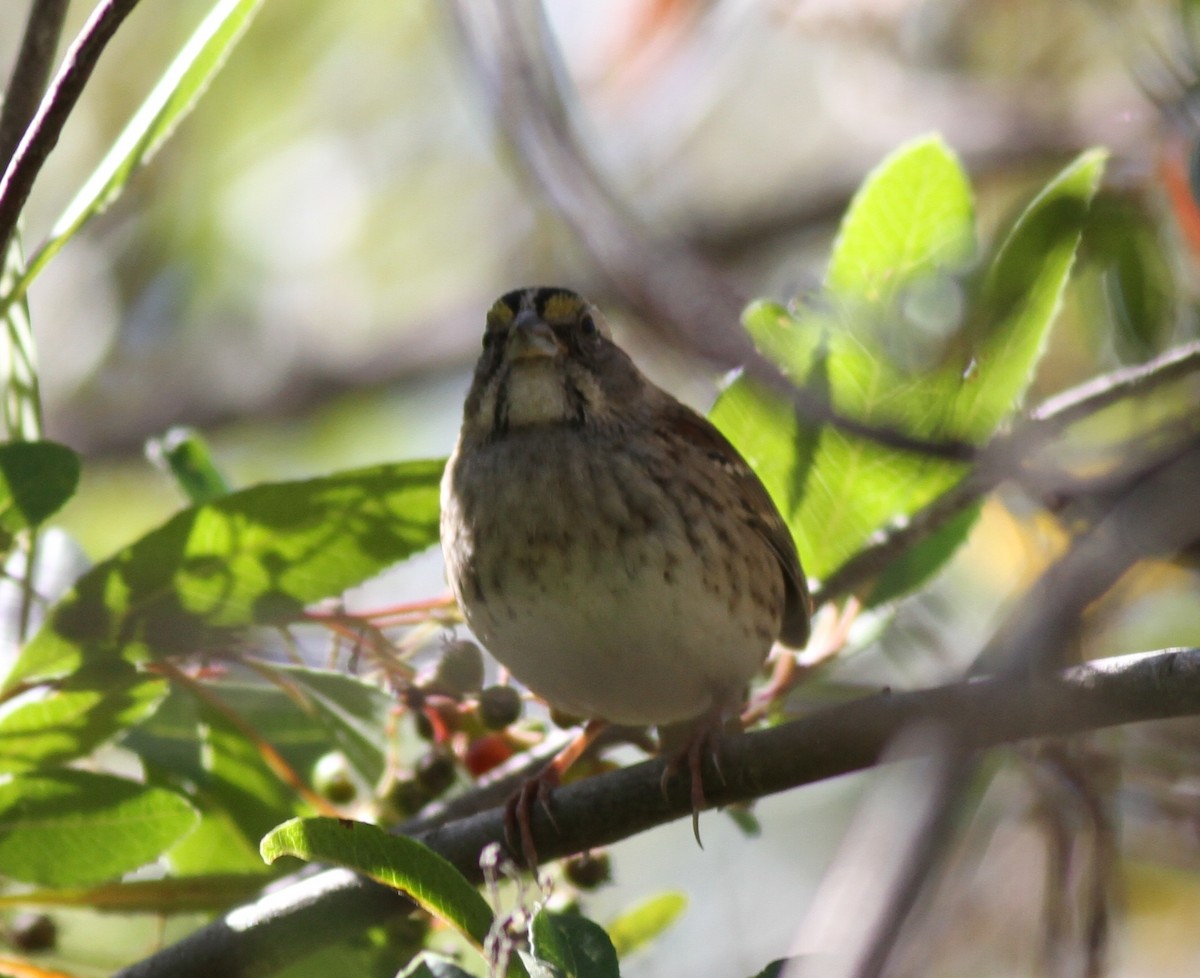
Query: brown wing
x,y
761,513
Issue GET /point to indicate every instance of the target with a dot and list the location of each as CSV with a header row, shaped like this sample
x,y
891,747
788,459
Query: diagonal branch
x,y
42,134
288,924
1002,458
1154,515
30,73
1026,700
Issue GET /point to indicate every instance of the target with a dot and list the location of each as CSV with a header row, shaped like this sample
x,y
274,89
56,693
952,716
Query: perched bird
x,y
606,543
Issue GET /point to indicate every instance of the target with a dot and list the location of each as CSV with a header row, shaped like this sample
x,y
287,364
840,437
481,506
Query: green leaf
x,y
94,705
913,215
167,105
190,744
185,455
576,946
254,557
394,860
340,711
74,828
193,894
350,712
216,845
1131,274
239,780
36,478
900,340
917,565
640,925
169,742
1022,292
185,744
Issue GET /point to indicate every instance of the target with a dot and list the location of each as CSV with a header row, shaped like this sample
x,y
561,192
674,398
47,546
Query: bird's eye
x,y
587,325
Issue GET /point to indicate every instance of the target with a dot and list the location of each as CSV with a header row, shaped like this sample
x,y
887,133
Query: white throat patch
x,y
536,394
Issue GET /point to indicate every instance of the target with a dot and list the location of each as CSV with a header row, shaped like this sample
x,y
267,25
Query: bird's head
x,y
548,359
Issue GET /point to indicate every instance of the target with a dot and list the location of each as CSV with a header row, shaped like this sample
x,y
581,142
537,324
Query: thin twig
x,y
271,757
39,43
1002,458
1081,402
42,134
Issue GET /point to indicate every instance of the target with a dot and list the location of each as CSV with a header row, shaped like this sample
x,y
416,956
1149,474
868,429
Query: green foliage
x,y
402,863
74,828
643,923
167,105
906,336
184,454
76,716
920,562
189,743
576,946
349,713
36,479
244,788
1123,251
913,215
254,557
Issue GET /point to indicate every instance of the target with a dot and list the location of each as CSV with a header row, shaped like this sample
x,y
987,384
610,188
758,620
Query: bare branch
x,y
291,923
30,73
1155,514
1002,458
42,134
1098,393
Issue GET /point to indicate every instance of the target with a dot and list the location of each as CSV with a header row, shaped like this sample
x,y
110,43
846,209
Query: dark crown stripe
x,y
513,300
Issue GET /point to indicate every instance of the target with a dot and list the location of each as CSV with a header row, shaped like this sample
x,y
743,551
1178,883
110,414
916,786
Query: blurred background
x,y
302,274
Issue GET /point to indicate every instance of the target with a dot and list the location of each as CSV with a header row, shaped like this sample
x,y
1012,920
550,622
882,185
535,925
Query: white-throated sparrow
x,y
605,542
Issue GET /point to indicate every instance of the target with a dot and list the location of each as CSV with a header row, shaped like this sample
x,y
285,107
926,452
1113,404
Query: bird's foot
x,y
700,740
537,790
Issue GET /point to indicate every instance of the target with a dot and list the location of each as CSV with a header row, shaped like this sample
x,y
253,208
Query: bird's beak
x,y
531,339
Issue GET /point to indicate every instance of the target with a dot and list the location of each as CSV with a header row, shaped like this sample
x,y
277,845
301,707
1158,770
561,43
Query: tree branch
x,y
1080,402
42,134
1002,458
43,28
288,924
1152,513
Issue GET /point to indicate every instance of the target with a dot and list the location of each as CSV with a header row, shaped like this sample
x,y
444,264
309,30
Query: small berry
x,y
588,870
33,932
499,706
435,772
486,753
332,779
459,671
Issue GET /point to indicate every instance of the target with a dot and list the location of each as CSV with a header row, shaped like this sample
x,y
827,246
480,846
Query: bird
x,y
605,542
